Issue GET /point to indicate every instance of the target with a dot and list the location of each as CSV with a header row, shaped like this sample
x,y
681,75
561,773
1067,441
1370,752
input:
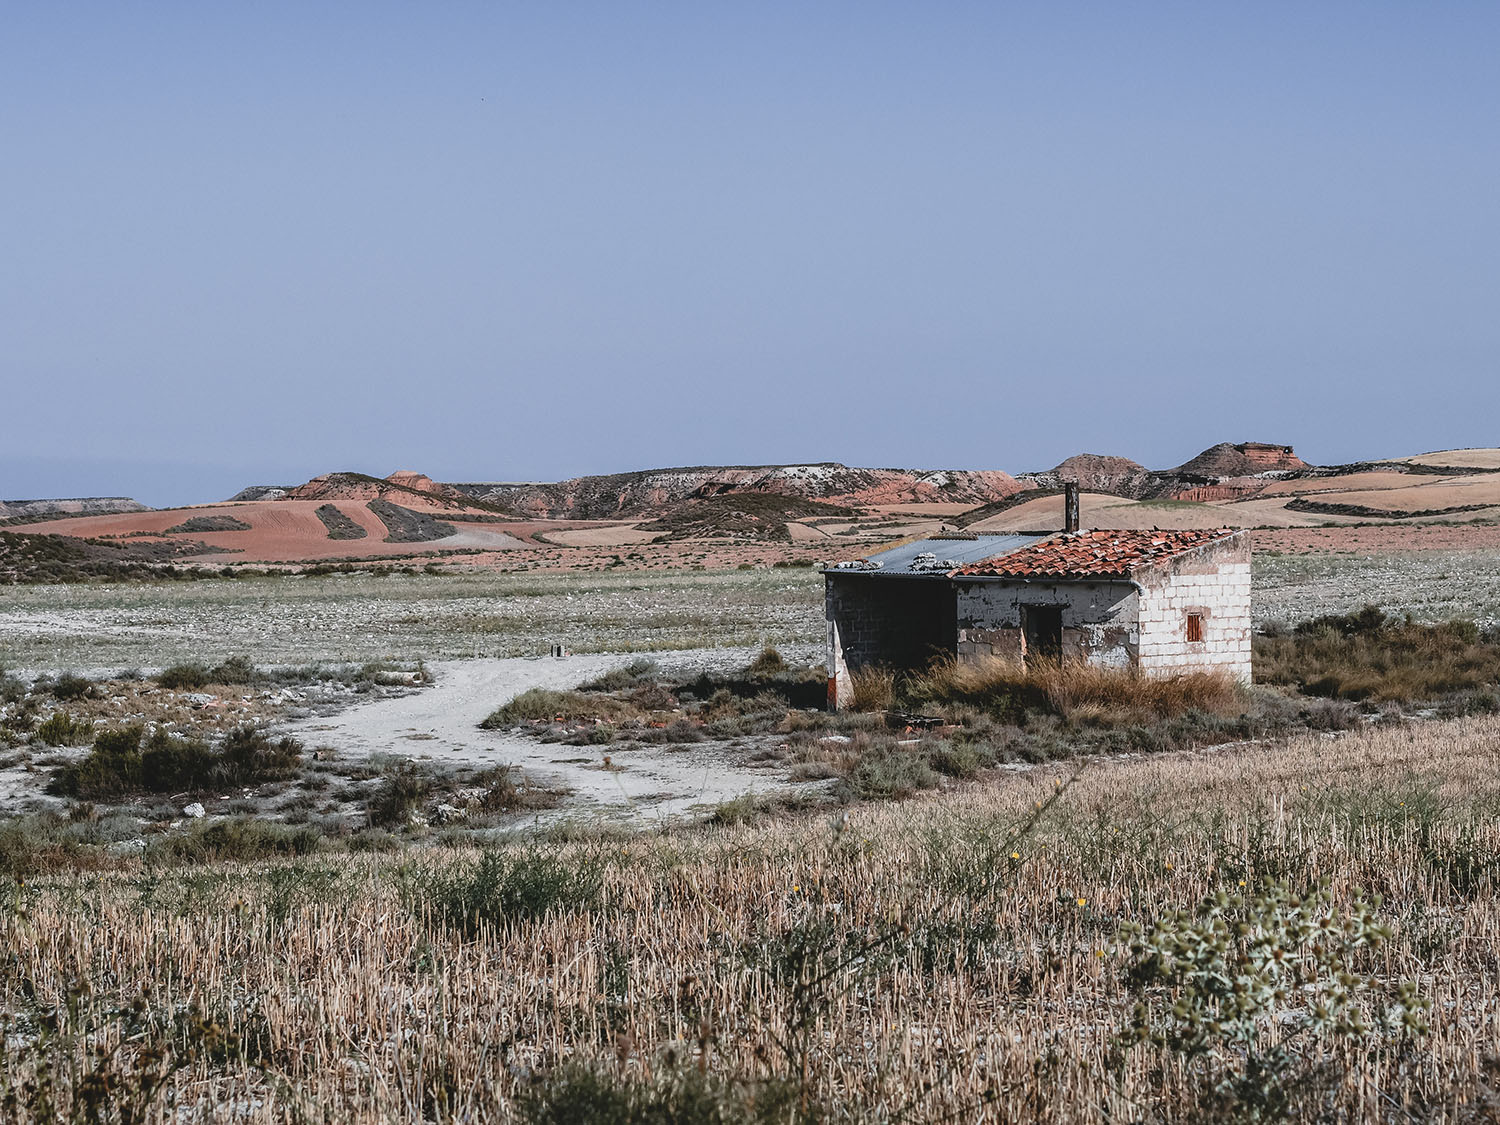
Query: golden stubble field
x,y
929,960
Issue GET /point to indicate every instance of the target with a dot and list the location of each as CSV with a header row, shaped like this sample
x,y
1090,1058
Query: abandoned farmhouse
x,y
1160,601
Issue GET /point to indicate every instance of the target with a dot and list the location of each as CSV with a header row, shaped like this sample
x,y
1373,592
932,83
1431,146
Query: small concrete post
x,y
1070,507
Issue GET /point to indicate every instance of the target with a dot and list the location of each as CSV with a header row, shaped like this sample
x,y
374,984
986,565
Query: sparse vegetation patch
x,y
126,760
407,526
339,525
1372,656
197,525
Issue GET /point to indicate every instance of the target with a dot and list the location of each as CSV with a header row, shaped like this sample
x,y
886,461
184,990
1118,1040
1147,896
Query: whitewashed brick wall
x,y
1218,588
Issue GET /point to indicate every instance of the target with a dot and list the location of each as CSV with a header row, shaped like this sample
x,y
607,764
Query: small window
x,y
1194,627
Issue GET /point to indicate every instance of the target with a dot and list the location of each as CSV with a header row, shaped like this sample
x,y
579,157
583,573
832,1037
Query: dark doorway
x,y
1041,630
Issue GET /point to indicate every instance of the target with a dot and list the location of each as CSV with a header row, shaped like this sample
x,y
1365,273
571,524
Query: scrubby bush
x,y
40,843
1371,656
1079,692
1211,982
180,677
234,670
172,764
625,676
112,768
241,839
402,790
68,687
62,729
768,662
12,688
874,688
124,761
193,676
248,756
886,771
544,704
505,886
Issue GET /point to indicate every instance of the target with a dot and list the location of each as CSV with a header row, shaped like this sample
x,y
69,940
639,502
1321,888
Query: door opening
x,y
1041,632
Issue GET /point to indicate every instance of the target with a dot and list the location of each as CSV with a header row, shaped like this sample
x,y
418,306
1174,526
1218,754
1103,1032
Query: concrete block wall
x,y
1214,584
893,622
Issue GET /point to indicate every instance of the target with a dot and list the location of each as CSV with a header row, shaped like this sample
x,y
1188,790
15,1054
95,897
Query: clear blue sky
x,y
250,242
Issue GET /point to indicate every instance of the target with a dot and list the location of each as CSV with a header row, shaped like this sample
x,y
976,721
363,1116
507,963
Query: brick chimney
x,y
1070,506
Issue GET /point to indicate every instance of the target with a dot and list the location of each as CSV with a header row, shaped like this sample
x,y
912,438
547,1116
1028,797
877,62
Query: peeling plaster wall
x,y
1098,619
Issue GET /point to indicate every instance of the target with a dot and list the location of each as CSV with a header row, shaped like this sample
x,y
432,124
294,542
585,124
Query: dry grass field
x,y
959,958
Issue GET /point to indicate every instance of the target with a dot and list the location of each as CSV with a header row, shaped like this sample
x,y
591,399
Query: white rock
x,y
195,810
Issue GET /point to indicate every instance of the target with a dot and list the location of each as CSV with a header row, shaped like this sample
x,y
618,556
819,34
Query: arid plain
x,y
332,834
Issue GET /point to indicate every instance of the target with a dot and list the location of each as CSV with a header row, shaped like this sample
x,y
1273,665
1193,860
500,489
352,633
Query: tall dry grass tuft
x,y
1076,691
874,688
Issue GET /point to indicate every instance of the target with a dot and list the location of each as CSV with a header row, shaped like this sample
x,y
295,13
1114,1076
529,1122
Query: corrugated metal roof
x,y
1088,554
936,558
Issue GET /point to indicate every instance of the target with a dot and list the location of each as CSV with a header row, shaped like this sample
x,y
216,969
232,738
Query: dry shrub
x,y
767,663
1370,655
874,688
1113,695
1076,691
545,705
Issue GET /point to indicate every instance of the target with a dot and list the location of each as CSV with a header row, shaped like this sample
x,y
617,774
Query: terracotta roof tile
x,y
1088,554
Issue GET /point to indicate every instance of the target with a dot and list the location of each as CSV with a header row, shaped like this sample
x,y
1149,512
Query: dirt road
x,y
440,724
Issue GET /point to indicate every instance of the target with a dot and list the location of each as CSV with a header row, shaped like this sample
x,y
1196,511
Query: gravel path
x,y
440,724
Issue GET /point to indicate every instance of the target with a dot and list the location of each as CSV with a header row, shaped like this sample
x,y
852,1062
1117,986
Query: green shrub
x,y
625,676
238,840
886,771
1371,656
505,886
248,756
112,768
180,677
40,844
234,670
121,763
405,786
170,764
12,688
192,676
69,687
1211,981
62,729
544,704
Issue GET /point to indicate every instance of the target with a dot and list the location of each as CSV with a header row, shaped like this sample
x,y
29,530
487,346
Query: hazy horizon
x,y
251,245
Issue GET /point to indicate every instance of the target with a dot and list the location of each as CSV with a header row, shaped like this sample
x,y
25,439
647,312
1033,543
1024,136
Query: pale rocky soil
x,y
482,635
439,725
360,617
482,614
1431,585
